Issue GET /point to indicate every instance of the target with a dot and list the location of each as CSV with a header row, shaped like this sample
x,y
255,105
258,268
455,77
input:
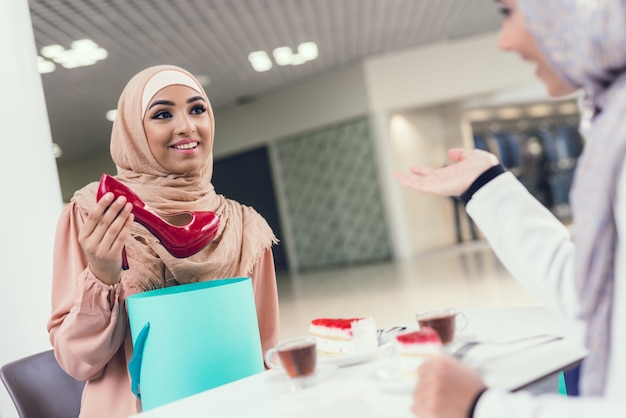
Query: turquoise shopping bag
x,y
191,338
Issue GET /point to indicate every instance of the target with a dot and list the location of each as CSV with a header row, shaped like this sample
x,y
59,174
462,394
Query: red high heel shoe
x,y
192,232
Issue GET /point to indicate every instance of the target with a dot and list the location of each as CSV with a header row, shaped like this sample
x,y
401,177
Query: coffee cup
x,y
443,321
297,356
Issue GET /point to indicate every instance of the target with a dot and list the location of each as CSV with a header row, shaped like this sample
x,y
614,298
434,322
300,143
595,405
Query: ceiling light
x,y
540,110
308,51
479,115
568,108
44,66
283,55
111,114
56,150
83,52
297,60
260,61
510,113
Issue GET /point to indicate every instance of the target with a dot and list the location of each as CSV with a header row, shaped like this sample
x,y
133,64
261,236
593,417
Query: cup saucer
x,y
382,350
322,372
390,379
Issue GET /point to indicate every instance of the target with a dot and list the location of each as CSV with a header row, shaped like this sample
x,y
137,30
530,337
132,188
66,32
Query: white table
x,y
351,391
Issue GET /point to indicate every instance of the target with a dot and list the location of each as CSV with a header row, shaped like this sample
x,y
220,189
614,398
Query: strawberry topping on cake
x,y
415,347
425,335
343,336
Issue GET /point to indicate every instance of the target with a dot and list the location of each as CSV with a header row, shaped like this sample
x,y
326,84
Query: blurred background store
x,y
316,110
344,93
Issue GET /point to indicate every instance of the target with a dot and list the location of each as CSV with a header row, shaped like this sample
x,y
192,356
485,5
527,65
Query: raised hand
x,y
453,179
103,235
445,388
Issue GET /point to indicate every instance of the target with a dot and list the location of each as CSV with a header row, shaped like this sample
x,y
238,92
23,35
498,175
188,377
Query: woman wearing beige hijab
x,y
162,146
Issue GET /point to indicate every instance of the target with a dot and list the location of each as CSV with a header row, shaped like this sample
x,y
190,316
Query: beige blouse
x,y
89,327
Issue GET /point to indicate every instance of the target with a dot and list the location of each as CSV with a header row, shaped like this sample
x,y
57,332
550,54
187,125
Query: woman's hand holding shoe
x,y
453,179
103,235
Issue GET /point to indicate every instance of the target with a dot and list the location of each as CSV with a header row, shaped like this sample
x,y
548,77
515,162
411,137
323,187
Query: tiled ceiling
x,y
213,38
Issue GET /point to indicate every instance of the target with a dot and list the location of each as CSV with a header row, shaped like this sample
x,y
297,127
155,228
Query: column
x,y
31,195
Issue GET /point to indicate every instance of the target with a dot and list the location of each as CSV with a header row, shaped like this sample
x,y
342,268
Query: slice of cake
x,y
416,347
337,337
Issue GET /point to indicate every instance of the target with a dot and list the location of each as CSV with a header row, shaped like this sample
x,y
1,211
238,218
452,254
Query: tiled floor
x,y
468,275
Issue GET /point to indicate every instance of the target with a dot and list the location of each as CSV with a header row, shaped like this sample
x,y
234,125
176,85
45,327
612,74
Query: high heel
x,y
124,259
181,241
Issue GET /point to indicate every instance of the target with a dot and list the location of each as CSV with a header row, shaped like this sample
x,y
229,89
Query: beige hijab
x,y
243,234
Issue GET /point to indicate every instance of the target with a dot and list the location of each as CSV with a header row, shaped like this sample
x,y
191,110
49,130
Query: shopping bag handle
x,y
134,365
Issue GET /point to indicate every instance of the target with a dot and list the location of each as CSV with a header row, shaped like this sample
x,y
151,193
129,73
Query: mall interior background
x,y
343,133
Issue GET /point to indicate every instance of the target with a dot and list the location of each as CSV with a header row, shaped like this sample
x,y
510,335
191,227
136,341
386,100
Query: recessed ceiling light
x,y
308,51
540,110
56,150
510,113
260,61
568,108
44,66
284,55
82,53
111,114
479,115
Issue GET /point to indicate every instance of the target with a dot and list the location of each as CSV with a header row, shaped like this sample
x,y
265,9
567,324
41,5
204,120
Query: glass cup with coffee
x,y
443,321
297,356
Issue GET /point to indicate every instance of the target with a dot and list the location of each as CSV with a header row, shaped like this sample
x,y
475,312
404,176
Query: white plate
x,y
390,379
356,358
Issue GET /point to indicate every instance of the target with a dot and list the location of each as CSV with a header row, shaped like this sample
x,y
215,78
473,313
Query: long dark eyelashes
x,y
161,114
505,11
199,108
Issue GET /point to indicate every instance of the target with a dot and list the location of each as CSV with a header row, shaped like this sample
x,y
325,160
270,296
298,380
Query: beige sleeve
x,y
88,320
266,298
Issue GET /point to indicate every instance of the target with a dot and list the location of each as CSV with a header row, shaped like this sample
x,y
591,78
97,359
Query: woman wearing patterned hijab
x,y
576,45
161,143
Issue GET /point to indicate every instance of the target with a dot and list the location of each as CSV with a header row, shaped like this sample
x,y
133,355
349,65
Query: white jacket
x,y
537,249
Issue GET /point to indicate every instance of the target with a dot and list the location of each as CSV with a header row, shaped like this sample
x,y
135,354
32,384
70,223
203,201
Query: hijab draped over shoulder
x,y
585,43
243,234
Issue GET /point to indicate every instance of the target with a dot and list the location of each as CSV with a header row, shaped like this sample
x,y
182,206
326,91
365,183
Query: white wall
x,y
422,137
443,72
31,196
334,97
411,81
75,176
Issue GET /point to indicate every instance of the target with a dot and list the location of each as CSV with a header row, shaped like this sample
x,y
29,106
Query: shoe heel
x,y
181,241
124,259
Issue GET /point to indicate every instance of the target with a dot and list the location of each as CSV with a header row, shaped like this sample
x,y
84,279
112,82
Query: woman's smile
x,y
187,146
179,129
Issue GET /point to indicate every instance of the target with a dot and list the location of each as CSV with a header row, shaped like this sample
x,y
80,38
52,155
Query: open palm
x,y
453,179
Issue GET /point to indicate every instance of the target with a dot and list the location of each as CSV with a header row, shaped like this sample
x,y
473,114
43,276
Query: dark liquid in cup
x,y
444,325
298,360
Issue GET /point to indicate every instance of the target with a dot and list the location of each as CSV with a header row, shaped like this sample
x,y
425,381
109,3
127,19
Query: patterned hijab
x,y
243,234
585,43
